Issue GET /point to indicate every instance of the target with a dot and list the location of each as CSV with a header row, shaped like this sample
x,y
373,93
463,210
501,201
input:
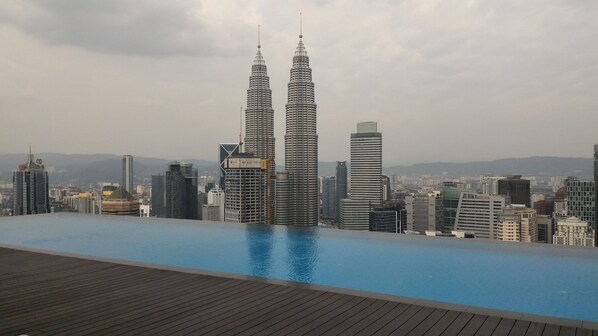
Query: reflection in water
x,y
302,253
259,242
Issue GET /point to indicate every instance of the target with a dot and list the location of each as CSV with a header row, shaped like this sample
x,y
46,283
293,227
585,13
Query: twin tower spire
x,y
300,196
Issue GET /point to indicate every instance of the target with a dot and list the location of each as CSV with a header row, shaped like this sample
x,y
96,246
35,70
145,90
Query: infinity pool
x,y
527,278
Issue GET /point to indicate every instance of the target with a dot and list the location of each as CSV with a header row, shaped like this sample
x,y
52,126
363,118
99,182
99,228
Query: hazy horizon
x,y
446,81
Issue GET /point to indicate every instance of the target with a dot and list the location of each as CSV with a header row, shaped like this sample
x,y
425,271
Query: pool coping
x,y
373,295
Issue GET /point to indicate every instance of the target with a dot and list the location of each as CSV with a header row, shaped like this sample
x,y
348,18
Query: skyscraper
x,y
30,192
245,194
259,126
341,187
328,197
158,196
366,177
515,189
579,195
180,190
596,195
225,150
301,143
128,173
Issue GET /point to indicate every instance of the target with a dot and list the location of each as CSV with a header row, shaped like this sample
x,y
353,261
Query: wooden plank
x,y
383,320
551,330
583,332
356,323
271,312
312,314
567,331
322,319
440,326
406,321
294,309
428,323
504,327
331,301
473,325
348,315
397,320
458,324
535,329
488,326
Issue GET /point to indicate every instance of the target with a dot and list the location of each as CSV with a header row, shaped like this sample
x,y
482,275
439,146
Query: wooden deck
x,y
43,294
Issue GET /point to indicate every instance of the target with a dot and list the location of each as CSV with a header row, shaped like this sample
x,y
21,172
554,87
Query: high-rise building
x,y
544,229
216,198
579,196
573,231
478,213
225,150
386,189
158,196
301,143
180,191
259,127
451,193
366,177
245,196
328,198
596,194
30,190
341,187
282,198
489,184
424,212
515,189
388,217
517,223
128,173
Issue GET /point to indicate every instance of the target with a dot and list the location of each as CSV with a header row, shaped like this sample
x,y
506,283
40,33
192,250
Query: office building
x,y
127,170
386,189
120,203
86,203
544,229
158,196
341,187
301,143
596,194
478,213
282,197
489,184
451,192
212,212
328,198
573,231
366,177
30,190
424,212
515,190
225,150
259,127
180,191
517,223
388,217
580,199
216,198
245,196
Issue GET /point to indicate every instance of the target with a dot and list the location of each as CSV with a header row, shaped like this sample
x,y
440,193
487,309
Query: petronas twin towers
x,y
301,140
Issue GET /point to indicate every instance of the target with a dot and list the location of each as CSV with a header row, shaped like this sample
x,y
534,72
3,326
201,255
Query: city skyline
x,y
452,71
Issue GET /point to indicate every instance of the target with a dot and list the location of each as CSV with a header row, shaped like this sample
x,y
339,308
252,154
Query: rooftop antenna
x,y
259,44
240,129
300,25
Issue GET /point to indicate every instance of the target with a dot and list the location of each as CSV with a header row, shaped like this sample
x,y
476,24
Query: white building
x,y
366,177
216,198
573,231
490,184
478,213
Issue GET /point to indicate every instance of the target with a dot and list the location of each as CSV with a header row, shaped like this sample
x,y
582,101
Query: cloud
x,y
142,28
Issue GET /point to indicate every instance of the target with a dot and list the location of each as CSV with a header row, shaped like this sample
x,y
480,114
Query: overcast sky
x,y
445,80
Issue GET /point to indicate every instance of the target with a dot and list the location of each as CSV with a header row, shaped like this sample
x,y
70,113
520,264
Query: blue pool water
x,y
527,278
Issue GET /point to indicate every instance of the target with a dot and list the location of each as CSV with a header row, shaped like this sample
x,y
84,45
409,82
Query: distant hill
x,y
87,169
537,166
